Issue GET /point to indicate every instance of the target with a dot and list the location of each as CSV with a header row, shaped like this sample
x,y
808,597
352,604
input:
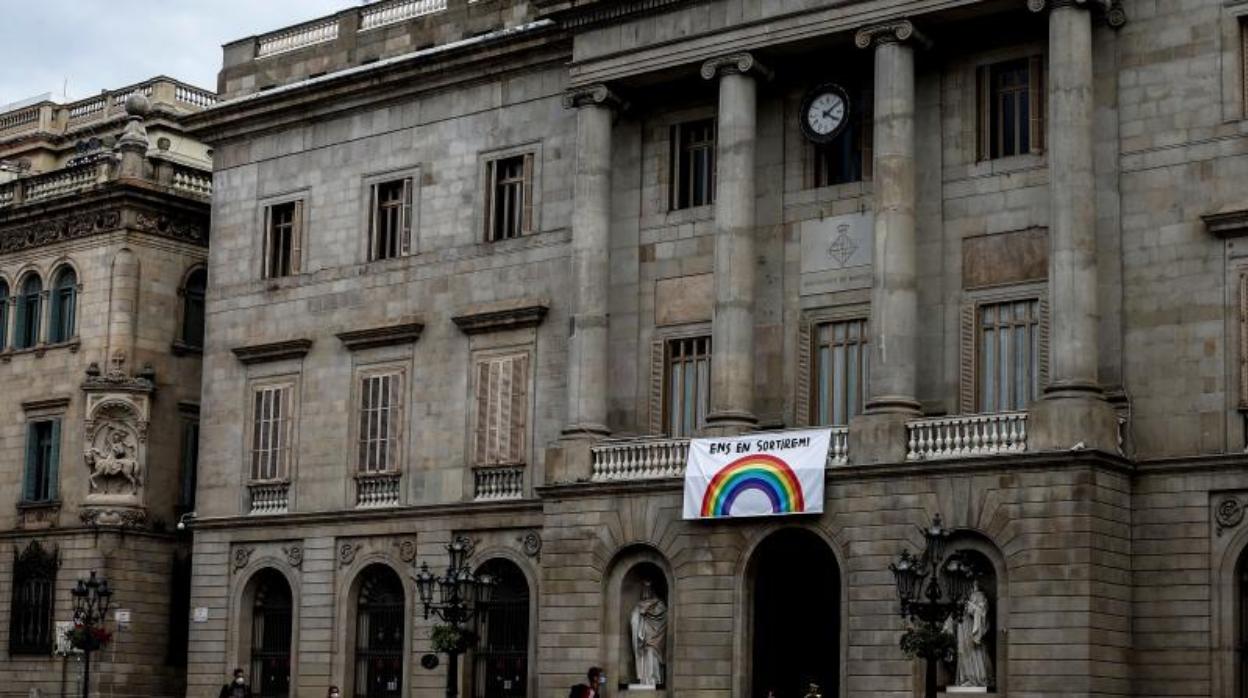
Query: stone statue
x,y
649,625
117,459
974,664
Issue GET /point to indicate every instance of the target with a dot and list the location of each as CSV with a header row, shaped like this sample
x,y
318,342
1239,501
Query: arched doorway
x,y
795,616
380,620
500,663
1241,647
271,616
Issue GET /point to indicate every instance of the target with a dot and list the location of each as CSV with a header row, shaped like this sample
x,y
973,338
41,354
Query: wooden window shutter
x,y
983,125
374,239
804,394
54,462
968,331
296,239
1043,359
32,460
518,408
482,423
1035,98
491,183
405,219
529,185
657,369
266,255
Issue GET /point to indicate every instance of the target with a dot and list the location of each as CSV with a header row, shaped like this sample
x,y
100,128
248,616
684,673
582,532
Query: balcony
x,y
966,436
57,119
658,457
377,490
496,483
101,168
269,498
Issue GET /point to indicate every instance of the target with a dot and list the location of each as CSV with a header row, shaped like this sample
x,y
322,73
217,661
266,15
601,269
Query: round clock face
x,y
824,113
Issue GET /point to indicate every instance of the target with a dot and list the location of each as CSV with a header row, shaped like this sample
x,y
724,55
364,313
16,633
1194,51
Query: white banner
x,y
763,474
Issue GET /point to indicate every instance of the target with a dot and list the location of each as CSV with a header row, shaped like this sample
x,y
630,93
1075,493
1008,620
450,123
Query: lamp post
x,y
461,593
91,599
927,607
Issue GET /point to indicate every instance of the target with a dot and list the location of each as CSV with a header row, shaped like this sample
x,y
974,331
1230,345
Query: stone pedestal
x,y
569,460
1059,423
878,438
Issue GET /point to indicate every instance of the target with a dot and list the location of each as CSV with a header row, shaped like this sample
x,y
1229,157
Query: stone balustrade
x,y
19,118
494,483
966,435
838,450
377,490
269,497
192,181
383,13
47,116
310,34
648,457
60,182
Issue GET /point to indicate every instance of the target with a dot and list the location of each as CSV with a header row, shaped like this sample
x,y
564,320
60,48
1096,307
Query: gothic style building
x,y
103,243
481,268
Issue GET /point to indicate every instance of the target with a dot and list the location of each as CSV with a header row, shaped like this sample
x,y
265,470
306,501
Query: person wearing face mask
x,y
597,684
237,688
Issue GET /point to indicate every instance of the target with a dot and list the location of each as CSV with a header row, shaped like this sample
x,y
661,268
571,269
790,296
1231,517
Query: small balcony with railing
x,y
267,498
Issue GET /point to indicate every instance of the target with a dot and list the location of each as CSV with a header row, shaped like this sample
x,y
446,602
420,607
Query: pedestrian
x,y
597,682
237,688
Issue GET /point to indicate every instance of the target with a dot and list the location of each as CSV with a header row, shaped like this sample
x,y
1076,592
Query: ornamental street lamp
x,y
91,599
926,609
461,594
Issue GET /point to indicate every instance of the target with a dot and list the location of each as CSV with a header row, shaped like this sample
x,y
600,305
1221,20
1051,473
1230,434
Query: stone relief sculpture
x,y
974,665
115,458
648,622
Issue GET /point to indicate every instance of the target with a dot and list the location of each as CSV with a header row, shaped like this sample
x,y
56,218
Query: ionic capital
x,y
1115,16
898,31
735,64
596,95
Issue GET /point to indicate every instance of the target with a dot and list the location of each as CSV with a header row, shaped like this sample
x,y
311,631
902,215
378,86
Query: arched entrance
x,y
379,623
500,662
795,616
271,616
1241,647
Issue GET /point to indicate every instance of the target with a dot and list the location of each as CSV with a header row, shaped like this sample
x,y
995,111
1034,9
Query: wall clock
x,y
824,112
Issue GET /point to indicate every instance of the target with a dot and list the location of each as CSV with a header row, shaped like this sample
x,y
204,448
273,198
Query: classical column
x,y
123,307
893,380
1073,410
591,221
732,333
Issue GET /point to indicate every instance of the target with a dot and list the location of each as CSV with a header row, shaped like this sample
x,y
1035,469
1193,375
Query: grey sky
x,y
93,45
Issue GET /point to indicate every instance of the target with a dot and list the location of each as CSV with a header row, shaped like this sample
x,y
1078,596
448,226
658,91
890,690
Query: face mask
x,y
602,680
239,680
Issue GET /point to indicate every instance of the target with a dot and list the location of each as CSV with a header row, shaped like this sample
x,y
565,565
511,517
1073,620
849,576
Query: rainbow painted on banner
x,y
763,473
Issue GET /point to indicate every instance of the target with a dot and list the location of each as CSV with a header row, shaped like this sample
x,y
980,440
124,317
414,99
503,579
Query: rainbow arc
x,y
760,473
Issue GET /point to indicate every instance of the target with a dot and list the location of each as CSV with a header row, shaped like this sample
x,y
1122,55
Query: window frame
x,y
517,456
861,128
398,419
863,344
298,239
291,385
32,494
985,100
6,299
531,197
33,564
63,306
970,377
188,296
410,212
706,358
28,325
188,455
678,148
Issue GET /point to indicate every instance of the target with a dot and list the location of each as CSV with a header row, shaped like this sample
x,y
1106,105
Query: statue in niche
x,y
974,665
648,622
117,459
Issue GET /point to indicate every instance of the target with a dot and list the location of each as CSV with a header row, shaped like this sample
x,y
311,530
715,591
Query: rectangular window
x,y
283,239
380,422
509,197
272,428
693,164
390,220
31,624
686,385
848,158
1008,364
189,462
43,446
502,405
1011,108
840,367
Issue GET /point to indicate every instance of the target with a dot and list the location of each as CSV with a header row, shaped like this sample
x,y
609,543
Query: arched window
x,y
64,310
1241,647
271,618
34,585
500,662
379,623
193,308
29,306
4,314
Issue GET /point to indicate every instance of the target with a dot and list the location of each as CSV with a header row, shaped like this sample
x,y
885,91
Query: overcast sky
x,y
84,46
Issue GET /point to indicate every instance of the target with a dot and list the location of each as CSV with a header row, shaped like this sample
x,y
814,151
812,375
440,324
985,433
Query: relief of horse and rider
x,y
115,459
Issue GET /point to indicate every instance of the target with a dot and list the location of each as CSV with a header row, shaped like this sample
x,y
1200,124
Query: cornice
x,y
273,351
580,15
345,517
507,315
373,337
52,403
1227,224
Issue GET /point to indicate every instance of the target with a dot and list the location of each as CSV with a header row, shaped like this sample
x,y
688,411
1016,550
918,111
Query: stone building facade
x,y
103,243
482,267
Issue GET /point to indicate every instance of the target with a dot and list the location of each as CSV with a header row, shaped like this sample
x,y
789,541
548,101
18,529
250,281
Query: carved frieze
x,y
294,554
1228,512
240,557
49,231
176,227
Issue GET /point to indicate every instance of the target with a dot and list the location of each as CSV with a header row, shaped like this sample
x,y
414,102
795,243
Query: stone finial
x,y
739,63
593,95
898,31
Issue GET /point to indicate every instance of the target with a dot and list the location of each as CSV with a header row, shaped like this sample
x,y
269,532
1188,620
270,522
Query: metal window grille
x,y
271,617
500,659
271,433
1009,355
283,225
687,388
379,627
502,410
381,422
693,164
391,225
841,368
33,593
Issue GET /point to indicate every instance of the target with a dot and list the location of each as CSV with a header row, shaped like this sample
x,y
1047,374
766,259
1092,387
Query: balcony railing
x,y
194,96
383,13
192,181
651,457
966,435
269,497
20,117
494,483
377,490
298,37
60,182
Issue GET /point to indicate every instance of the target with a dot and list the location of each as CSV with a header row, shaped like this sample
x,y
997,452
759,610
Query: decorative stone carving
x,y
294,554
240,557
407,550
648,623
113,517
1115,15
740,63
59,229
171,226
115,444
593,95
346,553
901,30
974,664
531,543
1228,513
113,456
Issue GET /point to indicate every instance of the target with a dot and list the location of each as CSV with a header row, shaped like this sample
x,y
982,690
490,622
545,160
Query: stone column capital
x,y
595,95
735,64
1115,15
898,31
